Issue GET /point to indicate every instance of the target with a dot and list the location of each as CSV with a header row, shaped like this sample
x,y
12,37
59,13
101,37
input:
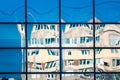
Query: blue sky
x,y
76,10
10,61
47,10
9,36
42,10
107,10
11,11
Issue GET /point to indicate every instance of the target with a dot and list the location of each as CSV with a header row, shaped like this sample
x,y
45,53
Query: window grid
x,y
60,46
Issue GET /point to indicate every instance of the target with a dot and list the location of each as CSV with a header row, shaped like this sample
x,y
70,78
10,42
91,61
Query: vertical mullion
x,y
26,51
60,43
94,39
26,37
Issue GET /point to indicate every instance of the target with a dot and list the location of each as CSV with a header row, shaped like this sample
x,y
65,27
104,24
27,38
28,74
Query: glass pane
x,y
76,11
12,60
12,77
12,11
107,60
43,76
43,35
80,60
107,35
43,60
12,35
77,35
104,10
42,11
107,76
88,76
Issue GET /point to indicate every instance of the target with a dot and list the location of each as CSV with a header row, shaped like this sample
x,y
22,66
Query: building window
x,y
47,41
69,53
70,62
97,38
38,66
116,62
42,26
47,65
34,41
114,50
67,40
88,61
89,39
97,51
80,62
52,27
82,39
52,40
74,40
85,52
22,27
41,41
53,53
46,27
51,76
38,27
85,61
35,52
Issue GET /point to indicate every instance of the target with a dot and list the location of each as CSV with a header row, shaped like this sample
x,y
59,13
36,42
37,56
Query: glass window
x,y
72,11
118,62
11,60
88,61
70,62
12,35
41,41
52,27
82,39
97,51
67,40
33,41
114,50
13,11
30,32
47,11
69,53
80,62
74,40
52,40
97,38
85,52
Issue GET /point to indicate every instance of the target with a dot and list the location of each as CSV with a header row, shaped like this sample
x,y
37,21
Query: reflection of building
x,y
108,59
74,60
77,59
78,77
44,35
77,35
43,60
108,36
81,35
21,29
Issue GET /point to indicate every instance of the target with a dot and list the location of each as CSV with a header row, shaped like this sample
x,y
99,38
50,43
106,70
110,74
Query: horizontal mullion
x,y
12,47
59,47
57,23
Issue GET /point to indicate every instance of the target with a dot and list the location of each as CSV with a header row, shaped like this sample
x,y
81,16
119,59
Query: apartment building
x,y
74,60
